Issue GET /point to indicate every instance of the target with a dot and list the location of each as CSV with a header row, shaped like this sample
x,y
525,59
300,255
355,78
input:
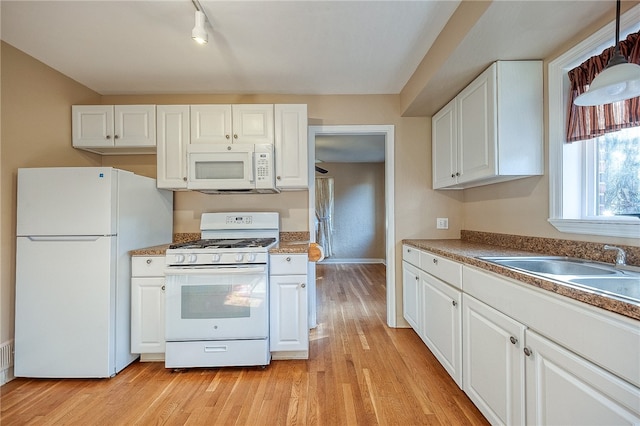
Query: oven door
x,y
217,303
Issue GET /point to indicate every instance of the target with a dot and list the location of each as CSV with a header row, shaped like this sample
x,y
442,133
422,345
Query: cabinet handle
x,y
513,340
184,178
235,136
226,136
435,261
453,175
108,136
303,285
417,278
527,351
116,136
457,173
162,288
278,178
288,259
454,303
149,261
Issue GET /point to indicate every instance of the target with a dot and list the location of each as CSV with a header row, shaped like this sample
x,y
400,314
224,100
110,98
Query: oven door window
x,y
217,301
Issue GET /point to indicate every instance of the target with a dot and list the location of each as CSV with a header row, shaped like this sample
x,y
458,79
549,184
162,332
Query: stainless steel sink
x,y
554,265
627,287
597,276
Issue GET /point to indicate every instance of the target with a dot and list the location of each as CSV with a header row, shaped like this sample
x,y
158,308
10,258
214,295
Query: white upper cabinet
x,y
250,123
114,129
493,130
173,137
291,147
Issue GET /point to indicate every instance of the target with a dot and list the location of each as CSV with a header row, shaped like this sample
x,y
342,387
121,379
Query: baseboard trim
x,y
6,362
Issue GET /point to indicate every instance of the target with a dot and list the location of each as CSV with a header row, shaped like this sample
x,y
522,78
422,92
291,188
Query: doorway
x,y
387,131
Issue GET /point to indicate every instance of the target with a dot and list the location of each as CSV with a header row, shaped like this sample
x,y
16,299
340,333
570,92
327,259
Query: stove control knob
x,y
251,257
192,258
239,257
216,258
179,258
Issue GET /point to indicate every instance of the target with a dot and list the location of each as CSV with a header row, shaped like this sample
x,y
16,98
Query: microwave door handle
x,y
253,167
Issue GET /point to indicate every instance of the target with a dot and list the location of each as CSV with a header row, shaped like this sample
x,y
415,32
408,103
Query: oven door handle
x,y
217,270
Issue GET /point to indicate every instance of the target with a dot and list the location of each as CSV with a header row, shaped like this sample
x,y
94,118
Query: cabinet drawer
x,y
147,266
445,269
411,255
288,264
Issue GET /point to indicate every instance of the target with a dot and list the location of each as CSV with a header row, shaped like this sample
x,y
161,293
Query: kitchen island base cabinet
x,y
288,300
147,307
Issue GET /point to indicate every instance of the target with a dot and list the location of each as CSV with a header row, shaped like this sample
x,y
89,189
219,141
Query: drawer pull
x,y
527,351
435,261
303,285
288,259
149,261
454,303
513,340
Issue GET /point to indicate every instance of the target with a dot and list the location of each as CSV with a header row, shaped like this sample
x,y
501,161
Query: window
x,y
593,186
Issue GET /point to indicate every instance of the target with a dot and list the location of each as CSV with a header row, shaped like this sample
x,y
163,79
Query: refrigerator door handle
x,y
66,238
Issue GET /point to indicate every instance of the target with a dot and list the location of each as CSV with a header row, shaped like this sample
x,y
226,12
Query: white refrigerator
x,y
75,227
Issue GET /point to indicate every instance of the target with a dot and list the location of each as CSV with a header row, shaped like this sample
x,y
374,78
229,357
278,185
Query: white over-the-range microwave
x,y
231,168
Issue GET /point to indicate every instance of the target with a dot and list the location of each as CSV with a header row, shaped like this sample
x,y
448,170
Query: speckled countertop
x,y
466,250
290,242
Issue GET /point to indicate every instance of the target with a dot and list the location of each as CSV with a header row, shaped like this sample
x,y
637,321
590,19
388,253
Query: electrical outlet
x,y
442,223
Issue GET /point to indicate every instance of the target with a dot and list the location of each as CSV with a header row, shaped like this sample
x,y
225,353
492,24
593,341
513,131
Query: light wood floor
x,y
360,372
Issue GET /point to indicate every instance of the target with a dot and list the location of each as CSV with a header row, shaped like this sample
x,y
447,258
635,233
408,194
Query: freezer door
x,y
65,307
67,201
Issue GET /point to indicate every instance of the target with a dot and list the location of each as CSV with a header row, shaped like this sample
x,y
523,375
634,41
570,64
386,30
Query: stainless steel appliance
x,y
217,292
75,226
239,168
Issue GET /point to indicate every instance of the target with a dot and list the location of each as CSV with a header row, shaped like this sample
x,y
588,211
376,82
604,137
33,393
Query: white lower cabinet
x,y
493,363
433,307
288,297
442,323
563,388
147,307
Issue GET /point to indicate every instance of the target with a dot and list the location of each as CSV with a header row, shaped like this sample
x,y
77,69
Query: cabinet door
x,y
92,126
292,162
442,323
211,124
411,296
493,362
135,125
253,123
147,315
173,138
288,313
476,128
444,146
563,388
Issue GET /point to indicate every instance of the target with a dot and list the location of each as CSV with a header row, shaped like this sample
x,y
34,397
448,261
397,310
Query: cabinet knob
x,y
513,340
278,178
435,261
108,136
457,173
235,136
116,136
454,303
149,261
303,285
184,178
288,259
417,278
227,136
162,288
527,351
453,175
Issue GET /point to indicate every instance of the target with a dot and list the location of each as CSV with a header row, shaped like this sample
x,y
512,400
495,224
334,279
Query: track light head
x,y
199,32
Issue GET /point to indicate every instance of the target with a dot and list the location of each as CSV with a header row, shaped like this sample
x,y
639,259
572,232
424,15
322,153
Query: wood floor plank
x,y
360,372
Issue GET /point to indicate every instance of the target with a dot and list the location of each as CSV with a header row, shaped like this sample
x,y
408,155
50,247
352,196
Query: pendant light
x,y
199,33
618,81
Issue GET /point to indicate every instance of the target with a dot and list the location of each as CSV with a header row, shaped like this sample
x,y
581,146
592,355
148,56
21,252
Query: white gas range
x,y
217,292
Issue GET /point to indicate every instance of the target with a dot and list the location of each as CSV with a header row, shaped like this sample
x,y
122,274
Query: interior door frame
x,y
388,132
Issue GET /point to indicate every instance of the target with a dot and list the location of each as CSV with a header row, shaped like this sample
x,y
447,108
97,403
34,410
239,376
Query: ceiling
x,y
284,47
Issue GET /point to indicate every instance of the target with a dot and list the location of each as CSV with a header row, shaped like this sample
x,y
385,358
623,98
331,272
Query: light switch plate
x,y
442,223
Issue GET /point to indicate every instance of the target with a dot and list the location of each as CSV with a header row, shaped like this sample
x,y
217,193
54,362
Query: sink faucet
x,y
621,256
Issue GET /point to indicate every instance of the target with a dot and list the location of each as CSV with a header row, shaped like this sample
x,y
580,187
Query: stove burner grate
x,y
225,243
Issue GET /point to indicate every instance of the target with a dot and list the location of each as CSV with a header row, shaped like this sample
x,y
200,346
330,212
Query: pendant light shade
x,y
199,33
618,81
